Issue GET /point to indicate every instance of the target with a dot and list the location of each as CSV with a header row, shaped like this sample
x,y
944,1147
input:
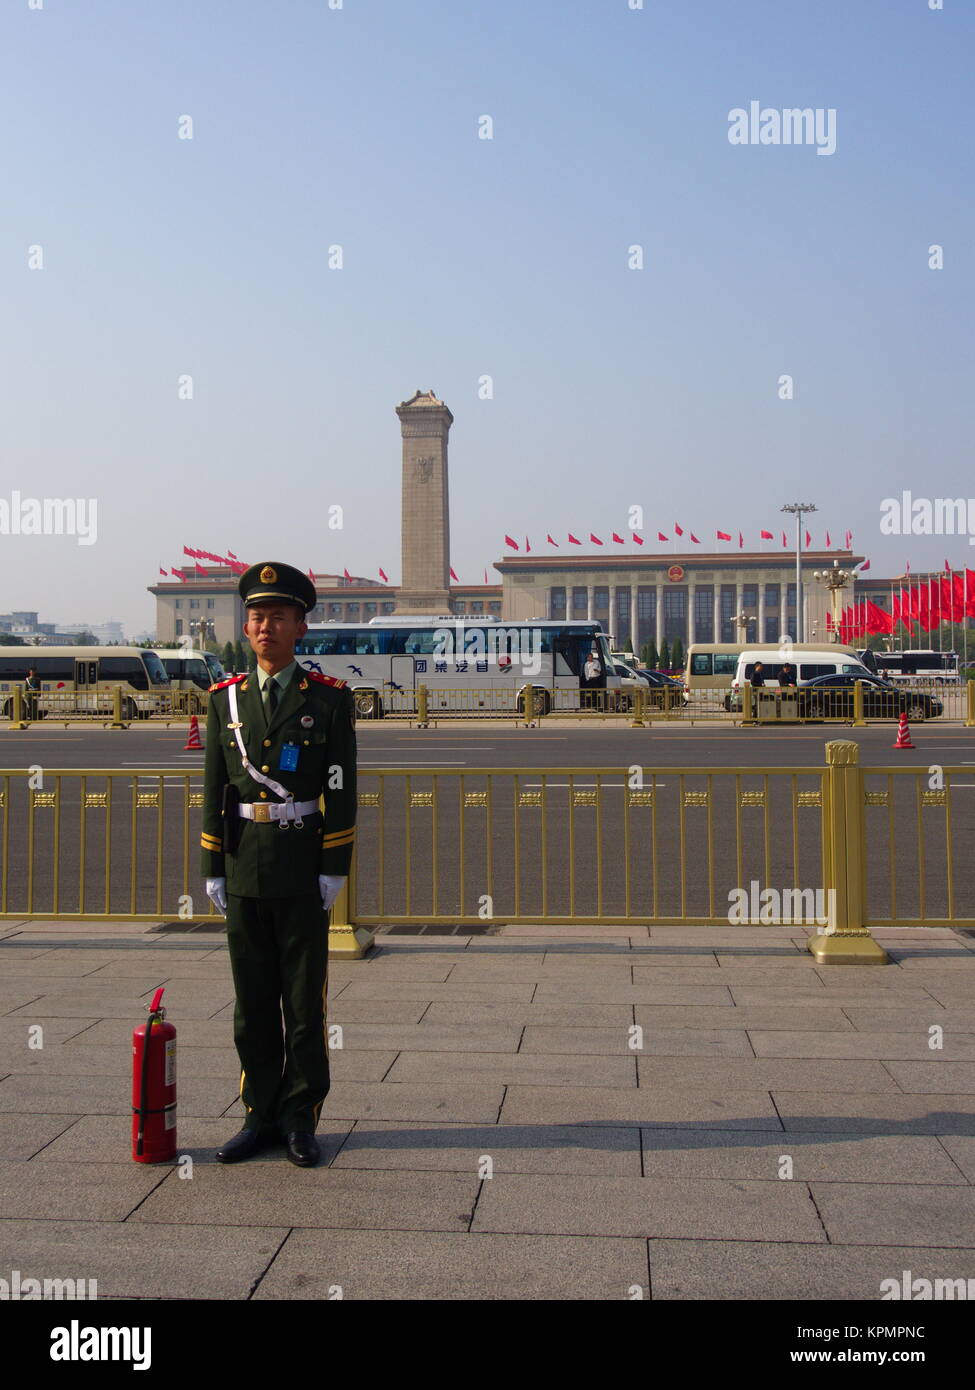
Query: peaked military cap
x,y
270,580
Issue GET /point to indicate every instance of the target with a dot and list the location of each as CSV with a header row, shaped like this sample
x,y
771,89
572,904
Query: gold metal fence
x,y
835,846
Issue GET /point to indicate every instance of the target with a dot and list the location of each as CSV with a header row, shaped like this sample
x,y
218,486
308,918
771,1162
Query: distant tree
x,y
227,656
677,654
240,661
7,639
649,653
664,656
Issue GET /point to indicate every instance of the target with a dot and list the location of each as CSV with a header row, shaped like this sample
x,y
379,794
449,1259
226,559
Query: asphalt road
x,y
465,853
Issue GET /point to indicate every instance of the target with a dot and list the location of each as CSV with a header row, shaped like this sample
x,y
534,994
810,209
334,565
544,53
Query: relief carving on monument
x,y
424,468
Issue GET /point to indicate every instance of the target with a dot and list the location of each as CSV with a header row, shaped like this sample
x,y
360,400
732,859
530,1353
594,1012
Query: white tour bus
x,y
385,660
713,665
189,669
81,680
912,666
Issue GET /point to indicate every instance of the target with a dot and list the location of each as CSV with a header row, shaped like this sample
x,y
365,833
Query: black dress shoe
x,y
302,1148
244,1144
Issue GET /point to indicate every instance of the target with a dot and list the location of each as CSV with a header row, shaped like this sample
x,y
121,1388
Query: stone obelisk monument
x,y
425,559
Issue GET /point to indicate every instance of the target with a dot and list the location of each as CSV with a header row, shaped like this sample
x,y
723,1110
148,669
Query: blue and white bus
x,y
467,663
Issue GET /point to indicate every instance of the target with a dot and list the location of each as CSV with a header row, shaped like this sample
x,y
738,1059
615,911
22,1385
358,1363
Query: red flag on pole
x,y
662,537
766,535
808,540
509,541
849,540
573,539
383,574
619,539
695,539
200,570
163,573
551,542
677,530
311,575
452,575
179,574
347,574
594,539
527,546
741,541
638,539
785,543
485,577
828,541
723,535
232,555
865,566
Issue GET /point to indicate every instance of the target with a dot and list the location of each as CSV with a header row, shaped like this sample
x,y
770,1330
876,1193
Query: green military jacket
x,y
260,859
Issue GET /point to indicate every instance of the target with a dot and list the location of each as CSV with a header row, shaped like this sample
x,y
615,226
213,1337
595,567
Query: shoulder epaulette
x,y
325,680
222,685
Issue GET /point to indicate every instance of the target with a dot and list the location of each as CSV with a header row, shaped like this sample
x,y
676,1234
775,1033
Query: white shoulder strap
x,y
252,771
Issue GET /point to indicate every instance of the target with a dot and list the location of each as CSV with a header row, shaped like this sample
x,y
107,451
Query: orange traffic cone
x,y
194,740
903,734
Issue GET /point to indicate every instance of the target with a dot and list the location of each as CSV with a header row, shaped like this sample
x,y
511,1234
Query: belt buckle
x,y
262,812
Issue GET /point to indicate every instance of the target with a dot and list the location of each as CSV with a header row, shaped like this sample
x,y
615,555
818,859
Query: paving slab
x,y
521,1014
473,1101
420,1265
66,1191
884,1214
655,991
858,1112
885,1047
787,1270
430,1037
511,1148
760,1073
691,1153
660,1042
23,1136
257,1195
105,1095
745,1016
507,1069
940,1074
430,991
911,1018
204,1261
587,1105
705,1209
962,1151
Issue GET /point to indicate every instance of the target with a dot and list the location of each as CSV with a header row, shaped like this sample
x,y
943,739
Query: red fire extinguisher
x,y
154,1087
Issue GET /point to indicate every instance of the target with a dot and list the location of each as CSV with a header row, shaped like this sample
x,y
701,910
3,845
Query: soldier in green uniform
x,y
278,739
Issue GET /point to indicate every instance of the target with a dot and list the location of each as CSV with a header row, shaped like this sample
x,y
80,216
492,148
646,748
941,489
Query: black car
x,y
832,697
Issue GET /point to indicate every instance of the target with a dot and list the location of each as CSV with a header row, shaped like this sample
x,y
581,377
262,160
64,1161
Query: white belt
x,y
267,811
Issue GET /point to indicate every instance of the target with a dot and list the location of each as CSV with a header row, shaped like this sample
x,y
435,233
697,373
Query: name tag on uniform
x,y
289,758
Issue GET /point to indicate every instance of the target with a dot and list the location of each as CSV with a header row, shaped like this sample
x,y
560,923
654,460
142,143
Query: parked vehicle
x,y
831,697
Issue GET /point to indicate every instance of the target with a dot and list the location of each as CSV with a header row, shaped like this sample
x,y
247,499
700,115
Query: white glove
x,y
331,887
217,893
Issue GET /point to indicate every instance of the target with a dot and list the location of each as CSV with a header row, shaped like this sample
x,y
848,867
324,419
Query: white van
x,y
806,665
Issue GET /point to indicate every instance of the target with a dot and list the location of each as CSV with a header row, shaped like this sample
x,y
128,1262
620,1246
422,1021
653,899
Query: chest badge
x,y
307,721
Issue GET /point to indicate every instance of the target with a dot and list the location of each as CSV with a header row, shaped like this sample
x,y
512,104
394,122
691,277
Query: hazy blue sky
x,y
466,257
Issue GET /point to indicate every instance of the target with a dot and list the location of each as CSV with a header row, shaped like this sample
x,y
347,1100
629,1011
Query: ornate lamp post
x,y
798,509
836,580
741,621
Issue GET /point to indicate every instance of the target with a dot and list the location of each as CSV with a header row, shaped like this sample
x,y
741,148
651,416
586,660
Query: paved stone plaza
x,y
612,1168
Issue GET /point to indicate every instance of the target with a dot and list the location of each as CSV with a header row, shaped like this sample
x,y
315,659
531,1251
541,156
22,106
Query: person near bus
x,y
32,688
758,676
787,674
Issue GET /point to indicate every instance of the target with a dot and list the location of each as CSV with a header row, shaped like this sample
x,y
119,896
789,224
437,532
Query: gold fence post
x,y
858,720
17,720
421,706
970,713
844,940
747,714
116,709
638,707
345,940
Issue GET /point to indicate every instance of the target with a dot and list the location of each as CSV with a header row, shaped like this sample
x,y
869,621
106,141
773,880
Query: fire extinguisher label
x,y
171,1062
171,1117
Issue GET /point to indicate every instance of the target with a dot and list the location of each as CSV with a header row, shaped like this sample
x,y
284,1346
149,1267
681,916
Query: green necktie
x,y
272,693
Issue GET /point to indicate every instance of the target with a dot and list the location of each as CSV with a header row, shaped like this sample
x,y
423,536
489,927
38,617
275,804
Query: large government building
x,y
636,597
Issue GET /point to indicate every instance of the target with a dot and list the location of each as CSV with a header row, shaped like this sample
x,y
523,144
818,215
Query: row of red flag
x,y
239,566
679,531
928,603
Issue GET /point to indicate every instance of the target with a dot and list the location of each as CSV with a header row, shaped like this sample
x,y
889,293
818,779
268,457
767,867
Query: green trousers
x,y
279,957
